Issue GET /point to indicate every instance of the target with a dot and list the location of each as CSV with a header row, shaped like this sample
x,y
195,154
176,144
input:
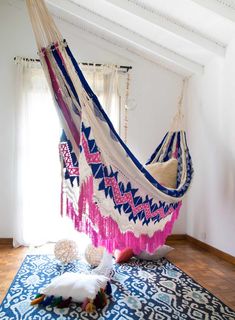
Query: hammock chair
x,y
106,191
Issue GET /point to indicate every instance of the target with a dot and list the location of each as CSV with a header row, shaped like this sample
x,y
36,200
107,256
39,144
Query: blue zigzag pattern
x,y
100,171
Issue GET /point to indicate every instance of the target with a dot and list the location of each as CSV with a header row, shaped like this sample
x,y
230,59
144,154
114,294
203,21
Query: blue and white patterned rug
x,y
141,290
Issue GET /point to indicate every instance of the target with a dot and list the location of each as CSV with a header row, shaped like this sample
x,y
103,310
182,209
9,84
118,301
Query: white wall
x,y
154,89
211,127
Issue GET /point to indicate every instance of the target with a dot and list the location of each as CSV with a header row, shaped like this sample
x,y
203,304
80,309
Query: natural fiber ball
x,y
94,255
66,251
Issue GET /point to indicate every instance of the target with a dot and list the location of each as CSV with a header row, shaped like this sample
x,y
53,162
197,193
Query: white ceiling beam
x,y
222,8
167,24
127,35
118,48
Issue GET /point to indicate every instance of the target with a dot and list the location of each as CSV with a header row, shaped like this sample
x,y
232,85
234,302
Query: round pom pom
x,y
66,251
94,255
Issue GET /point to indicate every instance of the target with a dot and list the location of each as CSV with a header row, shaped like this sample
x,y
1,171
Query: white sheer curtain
x,y
37,167
110,85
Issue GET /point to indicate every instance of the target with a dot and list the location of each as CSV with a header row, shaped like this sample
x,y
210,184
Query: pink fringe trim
x,y
104,231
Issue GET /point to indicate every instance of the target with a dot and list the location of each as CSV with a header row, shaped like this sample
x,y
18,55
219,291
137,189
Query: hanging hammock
x,y
106,191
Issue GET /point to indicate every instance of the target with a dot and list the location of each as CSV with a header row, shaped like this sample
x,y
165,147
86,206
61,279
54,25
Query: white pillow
x,y
75,285
158,254
164,172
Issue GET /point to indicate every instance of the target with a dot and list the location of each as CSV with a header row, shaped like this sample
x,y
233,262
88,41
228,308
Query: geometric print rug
x,y
140,290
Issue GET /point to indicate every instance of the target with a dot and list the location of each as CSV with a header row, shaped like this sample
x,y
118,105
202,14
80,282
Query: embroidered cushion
x,y
164,172
158,254
75,285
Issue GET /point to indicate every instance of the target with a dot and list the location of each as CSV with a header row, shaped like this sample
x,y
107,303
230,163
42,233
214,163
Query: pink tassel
x,y
109,234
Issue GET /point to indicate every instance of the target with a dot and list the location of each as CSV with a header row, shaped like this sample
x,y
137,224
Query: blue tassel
x,y
108,289
47,301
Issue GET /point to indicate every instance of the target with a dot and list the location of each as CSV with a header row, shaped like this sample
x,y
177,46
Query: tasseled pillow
x,y
75,285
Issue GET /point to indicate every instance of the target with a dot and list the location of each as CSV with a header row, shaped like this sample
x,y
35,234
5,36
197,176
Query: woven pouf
x,y
66,251
94,255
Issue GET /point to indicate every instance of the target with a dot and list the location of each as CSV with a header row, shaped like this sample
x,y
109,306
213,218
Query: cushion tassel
x,y
104,298
100,300
47,301
56,301
85,302
90,307
38,299
108,289
64,303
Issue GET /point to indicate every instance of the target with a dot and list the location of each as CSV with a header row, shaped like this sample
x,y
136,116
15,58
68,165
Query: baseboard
x,y
175,237
218,253
172,237
6,241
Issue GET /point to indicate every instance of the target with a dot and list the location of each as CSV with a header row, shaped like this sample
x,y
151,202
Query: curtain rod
x,y
83,63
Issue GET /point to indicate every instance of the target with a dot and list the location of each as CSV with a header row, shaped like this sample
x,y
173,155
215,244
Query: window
x,y
38,172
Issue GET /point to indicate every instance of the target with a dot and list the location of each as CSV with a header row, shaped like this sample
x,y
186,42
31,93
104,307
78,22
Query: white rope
x,y
126,108
178,120
45,30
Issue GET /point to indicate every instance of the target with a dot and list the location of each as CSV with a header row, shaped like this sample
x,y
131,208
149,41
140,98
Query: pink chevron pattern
x,y
64,152
90,157
126,197
105,232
